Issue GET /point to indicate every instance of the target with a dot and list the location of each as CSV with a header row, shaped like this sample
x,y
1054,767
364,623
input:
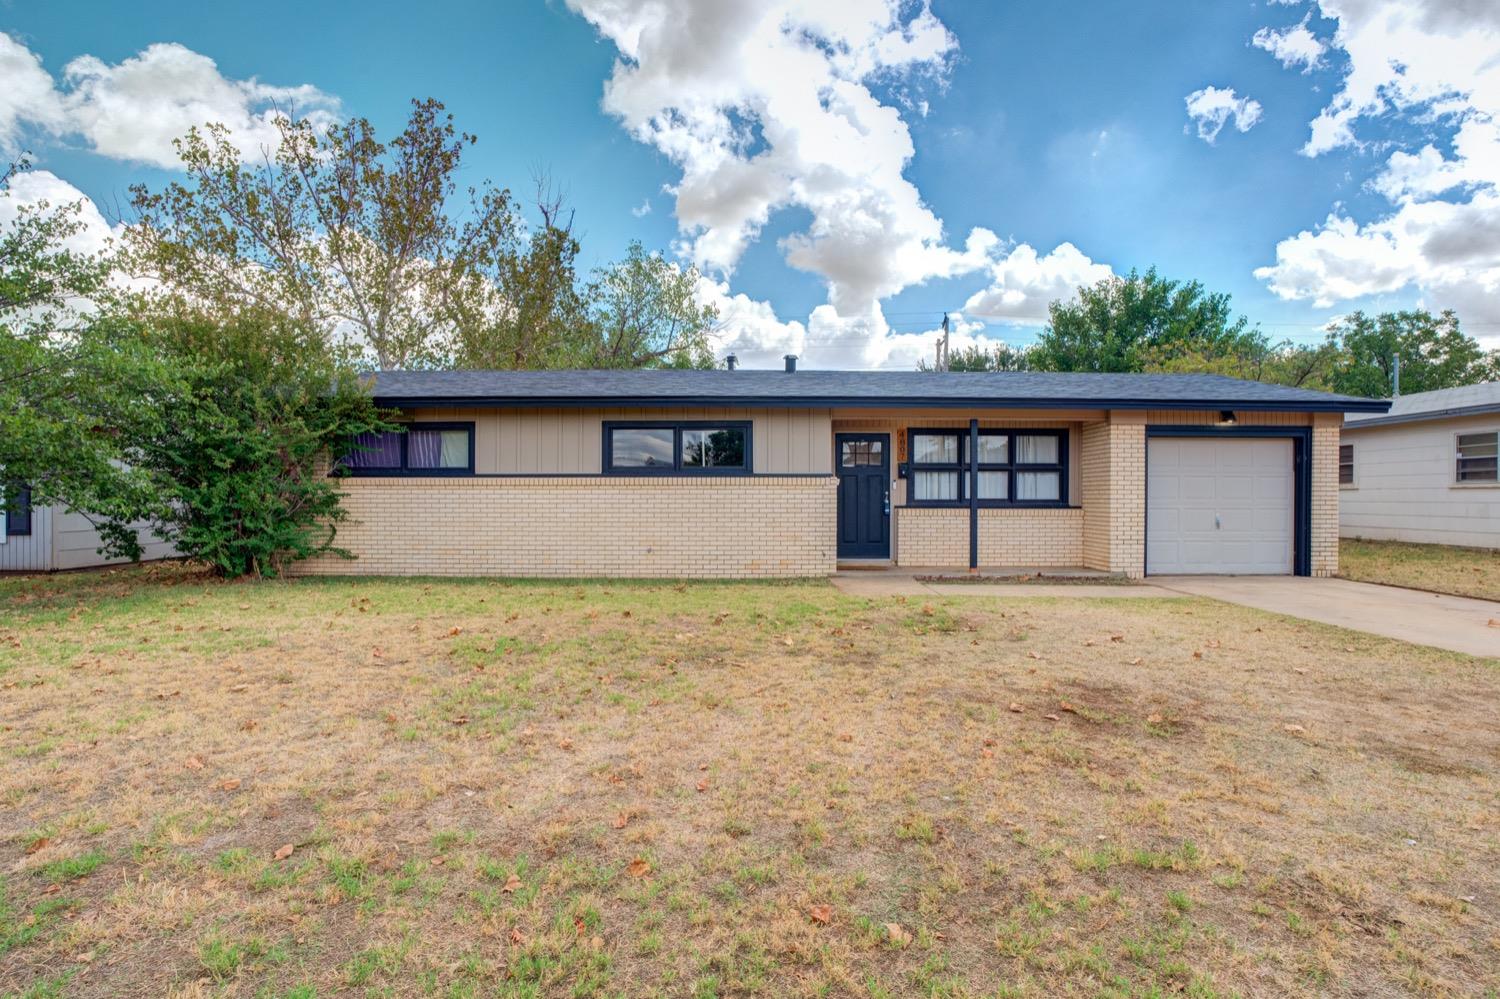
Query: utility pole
x,y
943,360
1396,377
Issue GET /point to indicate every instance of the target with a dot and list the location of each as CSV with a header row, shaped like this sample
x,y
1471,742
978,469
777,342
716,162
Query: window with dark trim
x,y
690,448
1346,464
1478,457
17,510
418,449
1016,468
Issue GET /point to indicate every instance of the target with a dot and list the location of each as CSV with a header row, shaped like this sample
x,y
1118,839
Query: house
x,y
44,538
793,473
1424,471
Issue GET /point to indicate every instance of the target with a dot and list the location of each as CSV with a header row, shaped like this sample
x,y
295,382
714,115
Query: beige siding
x,y
1404,486
542,441
598,526
22,552
75,543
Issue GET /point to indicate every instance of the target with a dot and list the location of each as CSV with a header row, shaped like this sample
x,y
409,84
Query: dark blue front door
x,y
864,469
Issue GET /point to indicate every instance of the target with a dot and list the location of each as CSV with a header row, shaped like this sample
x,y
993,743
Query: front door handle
x,y
887,501
1217,525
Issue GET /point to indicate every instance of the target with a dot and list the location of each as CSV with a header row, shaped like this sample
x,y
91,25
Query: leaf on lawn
x,y
1213,643
439,861
564,743
897,935
1053,718
193,763
232,784
1294,729
516,936
461,720
1068,707
1014,706
249,725
638,868
1117,638
1033,655
621,821
703,785
1197,653
1136,661
455,630
285,851
37,844
377,652
821,913
239,688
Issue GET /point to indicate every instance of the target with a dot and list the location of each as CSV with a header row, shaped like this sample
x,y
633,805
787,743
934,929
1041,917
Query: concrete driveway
x,y
1460,624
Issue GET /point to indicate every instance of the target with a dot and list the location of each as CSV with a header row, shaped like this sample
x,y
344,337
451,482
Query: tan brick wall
x,y
1041,538
1112,466
587,526
1325,495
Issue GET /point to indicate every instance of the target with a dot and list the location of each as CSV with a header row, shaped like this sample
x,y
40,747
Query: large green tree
x,y
1435,353
1126,323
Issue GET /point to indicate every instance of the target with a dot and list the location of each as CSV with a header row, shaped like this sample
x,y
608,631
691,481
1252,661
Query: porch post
x,y
973,495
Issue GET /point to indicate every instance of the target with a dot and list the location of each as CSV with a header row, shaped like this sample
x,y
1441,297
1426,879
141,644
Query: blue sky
x,y
1033,125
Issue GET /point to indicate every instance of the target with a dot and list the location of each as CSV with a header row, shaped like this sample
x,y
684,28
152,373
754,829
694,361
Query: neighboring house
x,y
42,538
788,473
1425,471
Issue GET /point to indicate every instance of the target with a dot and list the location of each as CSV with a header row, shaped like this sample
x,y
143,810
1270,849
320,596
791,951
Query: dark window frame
x,y
1346,464
1010,467
1459,459
17,509
403,471
677,468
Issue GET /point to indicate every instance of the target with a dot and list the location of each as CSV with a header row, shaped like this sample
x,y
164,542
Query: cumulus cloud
x,y
1023,284
1433,65
1293,47
133,110
765,105
34,188
1211,108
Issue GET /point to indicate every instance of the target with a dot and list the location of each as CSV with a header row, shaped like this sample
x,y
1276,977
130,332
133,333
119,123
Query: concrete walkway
x,y
1460,624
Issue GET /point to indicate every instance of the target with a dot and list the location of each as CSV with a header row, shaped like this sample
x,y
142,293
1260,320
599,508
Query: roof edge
x,y
1333,404
1424,416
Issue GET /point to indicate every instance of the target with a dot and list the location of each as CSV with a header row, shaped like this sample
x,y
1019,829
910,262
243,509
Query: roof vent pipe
x,y
731,362
791,362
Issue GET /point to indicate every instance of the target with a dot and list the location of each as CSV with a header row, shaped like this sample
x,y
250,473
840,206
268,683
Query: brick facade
x,y
587,526
1112,465
1039,538
1325,495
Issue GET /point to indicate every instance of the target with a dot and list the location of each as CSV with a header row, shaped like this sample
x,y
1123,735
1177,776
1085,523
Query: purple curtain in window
x,y
424,448
375,451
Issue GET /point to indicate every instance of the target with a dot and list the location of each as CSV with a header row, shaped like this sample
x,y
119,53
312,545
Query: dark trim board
x,y
872,402
1301,438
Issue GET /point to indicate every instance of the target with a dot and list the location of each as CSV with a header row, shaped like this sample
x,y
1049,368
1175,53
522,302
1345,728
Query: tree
x,y
1119,324
1001,357
341,233
643,312
238,457
1434,352
72,373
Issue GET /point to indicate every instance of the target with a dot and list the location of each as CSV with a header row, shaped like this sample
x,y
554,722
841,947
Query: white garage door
x,y
1218,505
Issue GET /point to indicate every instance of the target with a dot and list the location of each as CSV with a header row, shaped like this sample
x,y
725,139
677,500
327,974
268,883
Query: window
x,y
677,448
1016,468
852,453
419,449
1477,457
1346,464
17,510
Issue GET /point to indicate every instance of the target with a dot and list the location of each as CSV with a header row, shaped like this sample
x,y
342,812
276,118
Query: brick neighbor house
x,y
742,473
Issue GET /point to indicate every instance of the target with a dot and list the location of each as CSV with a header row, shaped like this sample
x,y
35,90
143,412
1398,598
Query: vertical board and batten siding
x,y
75,543
26,552
1405,489
540,441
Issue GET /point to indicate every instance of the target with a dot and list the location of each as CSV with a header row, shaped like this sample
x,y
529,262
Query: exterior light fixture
x,y
1226,417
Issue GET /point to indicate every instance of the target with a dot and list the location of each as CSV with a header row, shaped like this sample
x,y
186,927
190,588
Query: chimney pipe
x,y
731,362
791,362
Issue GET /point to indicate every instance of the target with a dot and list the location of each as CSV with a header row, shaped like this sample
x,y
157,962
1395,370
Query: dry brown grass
x,y
1467,572
561,789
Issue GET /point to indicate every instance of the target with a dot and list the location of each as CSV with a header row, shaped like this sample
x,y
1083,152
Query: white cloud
x,y
1433,67
641,210
134,109
33,188
1293,47
766,105
1022,284
1211,108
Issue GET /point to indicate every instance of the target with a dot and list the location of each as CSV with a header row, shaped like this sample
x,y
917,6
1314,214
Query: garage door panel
x,y
1219,505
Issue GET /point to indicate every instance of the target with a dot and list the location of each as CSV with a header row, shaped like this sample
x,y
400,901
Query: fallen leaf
x,y
239,688
284,852
516,936
37,844
1299,671
1197,653
232,784
439,861
638,868
845,737
620,821
193,763
461,720
564,743
249,725
1153,719
1136,661
1294,729
512,884
702,785
1033,655
455,630
1068,707
897,935
1052,718
244,606
1016,707
821,913
1117,638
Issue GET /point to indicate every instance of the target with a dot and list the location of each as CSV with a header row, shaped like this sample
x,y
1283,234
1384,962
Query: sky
x,y
845,172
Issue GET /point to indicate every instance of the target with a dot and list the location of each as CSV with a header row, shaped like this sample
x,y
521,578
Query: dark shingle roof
x,y
850,388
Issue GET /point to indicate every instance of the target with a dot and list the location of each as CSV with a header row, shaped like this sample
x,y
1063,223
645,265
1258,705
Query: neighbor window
x,y
1477,457
419,449
1016,467
1346,464
17,511
677,448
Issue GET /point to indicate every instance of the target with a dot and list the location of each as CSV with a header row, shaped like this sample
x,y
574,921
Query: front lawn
x,y
1468,572
550,789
